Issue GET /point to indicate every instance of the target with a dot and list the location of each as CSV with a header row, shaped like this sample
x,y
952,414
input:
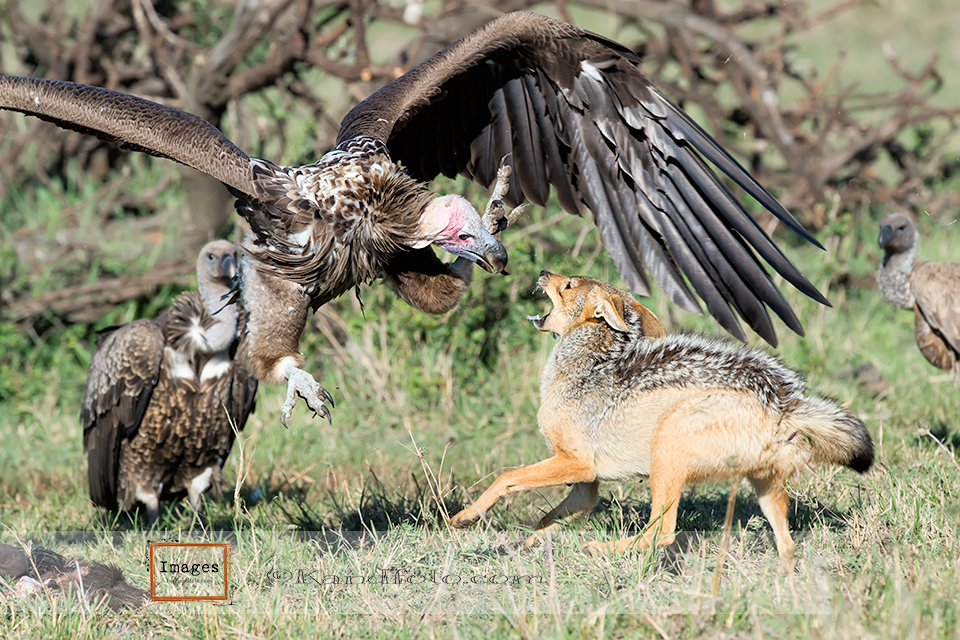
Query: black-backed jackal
x,y
620,400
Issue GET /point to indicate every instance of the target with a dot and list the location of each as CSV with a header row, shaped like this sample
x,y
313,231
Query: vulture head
x,y
217,264
216,269
452,223
898,234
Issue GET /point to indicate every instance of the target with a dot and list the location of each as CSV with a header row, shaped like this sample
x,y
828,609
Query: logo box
x,y
219,555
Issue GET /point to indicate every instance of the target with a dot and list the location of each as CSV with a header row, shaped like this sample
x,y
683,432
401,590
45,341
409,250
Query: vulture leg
x,y
301,384
152,502
277,311
495,217
198,485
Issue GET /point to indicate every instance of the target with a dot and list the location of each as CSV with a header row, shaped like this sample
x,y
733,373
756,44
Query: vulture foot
x,y
495,216
301,384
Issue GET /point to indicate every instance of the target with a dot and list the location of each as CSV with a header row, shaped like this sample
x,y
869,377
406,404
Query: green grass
x,y
434,408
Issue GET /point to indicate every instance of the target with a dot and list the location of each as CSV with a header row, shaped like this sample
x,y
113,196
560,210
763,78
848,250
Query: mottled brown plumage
x,y
161,396
930,289
568,109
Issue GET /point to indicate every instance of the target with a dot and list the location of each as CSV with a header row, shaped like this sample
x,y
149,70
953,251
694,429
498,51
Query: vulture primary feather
x,y
567,108
163,396
930,289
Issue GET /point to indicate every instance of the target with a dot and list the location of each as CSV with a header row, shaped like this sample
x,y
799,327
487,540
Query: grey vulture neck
x,y
893,278
900,250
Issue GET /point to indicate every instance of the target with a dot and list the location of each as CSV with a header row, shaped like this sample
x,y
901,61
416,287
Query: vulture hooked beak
x,y
489,254
228,263
886,235
476,244
451,223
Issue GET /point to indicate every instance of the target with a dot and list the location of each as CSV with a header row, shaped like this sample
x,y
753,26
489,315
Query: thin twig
x,y
953,458
725,543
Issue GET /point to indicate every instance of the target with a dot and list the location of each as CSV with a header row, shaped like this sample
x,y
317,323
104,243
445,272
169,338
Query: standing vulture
x,y
567,108
163,396
930,289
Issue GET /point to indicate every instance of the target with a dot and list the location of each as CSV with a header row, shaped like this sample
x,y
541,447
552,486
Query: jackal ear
x,y
609,308
649,322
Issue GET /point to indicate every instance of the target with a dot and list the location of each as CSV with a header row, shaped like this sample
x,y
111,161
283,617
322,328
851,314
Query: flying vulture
x,y
163,396
567,108
930,289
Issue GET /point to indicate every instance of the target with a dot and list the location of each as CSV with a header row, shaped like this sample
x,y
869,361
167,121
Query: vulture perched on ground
x,y
930,289
164,396
566,108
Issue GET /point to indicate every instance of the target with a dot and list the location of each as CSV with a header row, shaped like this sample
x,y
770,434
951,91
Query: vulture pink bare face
x,y
451,223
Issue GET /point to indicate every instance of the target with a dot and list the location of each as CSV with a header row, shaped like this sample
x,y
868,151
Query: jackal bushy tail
x,y
835,436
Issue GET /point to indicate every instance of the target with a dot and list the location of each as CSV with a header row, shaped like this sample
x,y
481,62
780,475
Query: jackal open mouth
x,y
538,321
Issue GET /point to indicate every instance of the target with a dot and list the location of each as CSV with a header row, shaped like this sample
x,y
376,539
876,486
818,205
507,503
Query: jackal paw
x,y
301,384
598,549
465,518
533,540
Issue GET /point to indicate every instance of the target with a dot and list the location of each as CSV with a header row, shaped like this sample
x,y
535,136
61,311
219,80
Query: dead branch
x,y
87,303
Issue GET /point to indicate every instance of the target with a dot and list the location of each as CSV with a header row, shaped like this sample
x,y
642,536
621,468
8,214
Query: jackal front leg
x,y
563,468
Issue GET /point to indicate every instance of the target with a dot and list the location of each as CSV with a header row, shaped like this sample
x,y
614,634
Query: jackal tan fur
x,y
621,400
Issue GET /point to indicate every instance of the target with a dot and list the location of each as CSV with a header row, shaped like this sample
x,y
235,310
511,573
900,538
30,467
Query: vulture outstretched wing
x,y
134,123
124,370
570,109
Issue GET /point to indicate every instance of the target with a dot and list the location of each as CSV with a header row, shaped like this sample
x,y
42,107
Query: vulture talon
x,y
328,398
495,216
324,412
301,384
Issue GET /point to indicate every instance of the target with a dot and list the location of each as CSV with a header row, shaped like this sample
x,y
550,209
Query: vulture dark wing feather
x,y
731,211
739,266
689,260
556,171
124,370
727,278
528,160
683,127
574,112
